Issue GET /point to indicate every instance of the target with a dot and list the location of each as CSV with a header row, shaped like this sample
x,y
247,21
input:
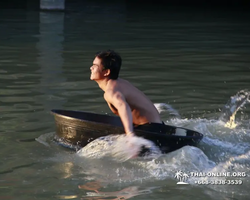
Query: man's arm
x,y
119,102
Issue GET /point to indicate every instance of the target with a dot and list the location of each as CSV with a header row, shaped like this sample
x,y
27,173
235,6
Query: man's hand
x,y
130,134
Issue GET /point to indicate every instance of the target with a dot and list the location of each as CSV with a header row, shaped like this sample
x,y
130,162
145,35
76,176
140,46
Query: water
x,y
193,64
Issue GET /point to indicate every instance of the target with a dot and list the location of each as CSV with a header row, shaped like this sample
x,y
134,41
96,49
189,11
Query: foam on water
x,y
187,159
217,152
235,165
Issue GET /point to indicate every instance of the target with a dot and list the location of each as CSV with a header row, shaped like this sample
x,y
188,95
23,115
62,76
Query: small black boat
x,y
78,128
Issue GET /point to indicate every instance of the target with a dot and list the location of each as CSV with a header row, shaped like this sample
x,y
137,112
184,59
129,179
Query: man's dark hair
x,y
110,60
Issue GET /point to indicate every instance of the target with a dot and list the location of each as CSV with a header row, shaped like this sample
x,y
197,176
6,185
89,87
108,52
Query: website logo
x,y
181,177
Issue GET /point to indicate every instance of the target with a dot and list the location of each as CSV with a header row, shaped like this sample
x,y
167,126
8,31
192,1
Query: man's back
x,y
143,110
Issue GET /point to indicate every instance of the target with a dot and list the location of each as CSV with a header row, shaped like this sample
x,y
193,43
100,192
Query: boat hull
x,y
77,129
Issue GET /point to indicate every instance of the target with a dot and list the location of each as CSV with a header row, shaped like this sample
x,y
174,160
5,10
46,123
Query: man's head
x,y
106,64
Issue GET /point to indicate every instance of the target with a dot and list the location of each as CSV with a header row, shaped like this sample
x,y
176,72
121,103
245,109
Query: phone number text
x,y
219,182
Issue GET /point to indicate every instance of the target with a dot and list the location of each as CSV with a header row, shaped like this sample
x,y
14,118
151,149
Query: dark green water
x,y
193,60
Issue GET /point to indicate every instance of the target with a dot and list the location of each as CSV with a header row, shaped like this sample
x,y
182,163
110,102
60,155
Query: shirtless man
x,y
124,100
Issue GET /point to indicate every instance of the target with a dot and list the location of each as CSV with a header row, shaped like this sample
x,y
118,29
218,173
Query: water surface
x,y
192,60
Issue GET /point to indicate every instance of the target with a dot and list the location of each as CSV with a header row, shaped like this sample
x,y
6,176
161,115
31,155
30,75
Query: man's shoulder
x,y
112,94
115,87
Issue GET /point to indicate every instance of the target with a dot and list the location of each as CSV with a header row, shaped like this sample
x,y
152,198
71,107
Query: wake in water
x,y
224,148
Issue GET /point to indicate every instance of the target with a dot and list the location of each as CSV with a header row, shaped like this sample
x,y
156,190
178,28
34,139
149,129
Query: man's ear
x,y
107,72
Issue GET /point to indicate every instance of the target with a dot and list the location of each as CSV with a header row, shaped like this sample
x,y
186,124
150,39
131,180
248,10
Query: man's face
x,y
96,69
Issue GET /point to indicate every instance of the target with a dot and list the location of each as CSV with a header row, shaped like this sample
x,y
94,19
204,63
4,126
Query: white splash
x,y
235,103
45,138
163,107
119,147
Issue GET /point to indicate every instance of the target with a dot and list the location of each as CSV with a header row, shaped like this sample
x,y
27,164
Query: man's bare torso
x,y
143,110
